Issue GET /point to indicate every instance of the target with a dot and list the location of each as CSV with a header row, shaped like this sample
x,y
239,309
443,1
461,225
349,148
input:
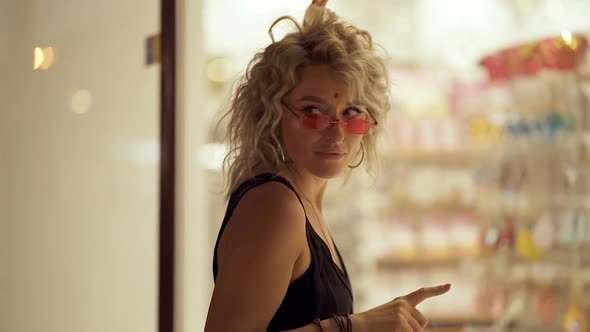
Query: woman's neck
x,y
310,186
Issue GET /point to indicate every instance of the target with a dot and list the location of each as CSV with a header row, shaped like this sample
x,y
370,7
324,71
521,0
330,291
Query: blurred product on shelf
x,y
564,52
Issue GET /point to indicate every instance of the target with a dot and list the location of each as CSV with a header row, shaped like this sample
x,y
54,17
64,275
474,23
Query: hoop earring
x,y
362,157
282,158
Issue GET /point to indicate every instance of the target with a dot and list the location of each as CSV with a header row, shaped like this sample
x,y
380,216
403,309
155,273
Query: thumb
x,y
417,297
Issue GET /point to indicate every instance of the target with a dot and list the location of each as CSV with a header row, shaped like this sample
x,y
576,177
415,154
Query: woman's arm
x,y
256,256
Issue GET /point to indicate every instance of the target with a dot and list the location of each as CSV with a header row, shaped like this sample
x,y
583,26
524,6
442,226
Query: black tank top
x,y
323,290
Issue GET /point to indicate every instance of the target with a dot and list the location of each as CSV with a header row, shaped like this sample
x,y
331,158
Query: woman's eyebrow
x,y
313,98
356,102
320,100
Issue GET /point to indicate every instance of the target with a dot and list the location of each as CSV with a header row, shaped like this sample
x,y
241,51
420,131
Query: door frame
x,y
167,175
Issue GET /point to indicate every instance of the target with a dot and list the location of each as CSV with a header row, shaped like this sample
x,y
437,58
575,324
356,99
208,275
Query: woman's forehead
x,y
321,84
320,77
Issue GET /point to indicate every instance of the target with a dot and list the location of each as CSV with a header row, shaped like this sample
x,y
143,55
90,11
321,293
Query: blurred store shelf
x,y
392,262
458,157
439,323
442,209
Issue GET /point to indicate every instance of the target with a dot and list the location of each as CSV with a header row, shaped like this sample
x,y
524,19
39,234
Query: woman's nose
x,y
335,132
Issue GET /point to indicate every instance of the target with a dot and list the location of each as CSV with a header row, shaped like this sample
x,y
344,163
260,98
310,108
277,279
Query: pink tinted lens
x,y
358,126
316,121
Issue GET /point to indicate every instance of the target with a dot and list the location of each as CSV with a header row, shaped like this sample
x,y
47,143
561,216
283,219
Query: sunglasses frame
x,y
332,122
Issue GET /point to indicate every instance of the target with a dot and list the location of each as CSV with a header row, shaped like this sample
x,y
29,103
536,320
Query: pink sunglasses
x,y
319,122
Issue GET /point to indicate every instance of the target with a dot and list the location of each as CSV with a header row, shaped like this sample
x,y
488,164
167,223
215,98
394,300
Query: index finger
x,y
417,297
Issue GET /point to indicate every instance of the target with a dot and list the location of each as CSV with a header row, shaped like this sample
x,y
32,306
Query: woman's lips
x,y
331,155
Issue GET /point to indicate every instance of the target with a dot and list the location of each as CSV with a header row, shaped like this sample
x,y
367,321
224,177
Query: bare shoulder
x,y
270,213
256,256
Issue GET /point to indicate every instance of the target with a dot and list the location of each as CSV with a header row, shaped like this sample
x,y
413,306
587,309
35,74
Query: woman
x,y
307,109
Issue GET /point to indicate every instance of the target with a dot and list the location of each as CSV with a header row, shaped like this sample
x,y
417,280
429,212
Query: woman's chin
x,y
328,171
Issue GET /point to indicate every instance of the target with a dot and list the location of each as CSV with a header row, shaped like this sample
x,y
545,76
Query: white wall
x,y
6,21
79,191
194,274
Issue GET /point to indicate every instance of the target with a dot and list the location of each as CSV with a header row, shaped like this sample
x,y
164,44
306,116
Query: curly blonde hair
x,y
256,107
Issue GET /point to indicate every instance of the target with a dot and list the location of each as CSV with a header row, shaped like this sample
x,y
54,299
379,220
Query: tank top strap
x,y
257,181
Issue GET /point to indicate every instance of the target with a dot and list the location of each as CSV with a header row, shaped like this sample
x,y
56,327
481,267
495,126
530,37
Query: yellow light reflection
x,y
43,58
81,101
218,70
567,37
38,58
49,58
